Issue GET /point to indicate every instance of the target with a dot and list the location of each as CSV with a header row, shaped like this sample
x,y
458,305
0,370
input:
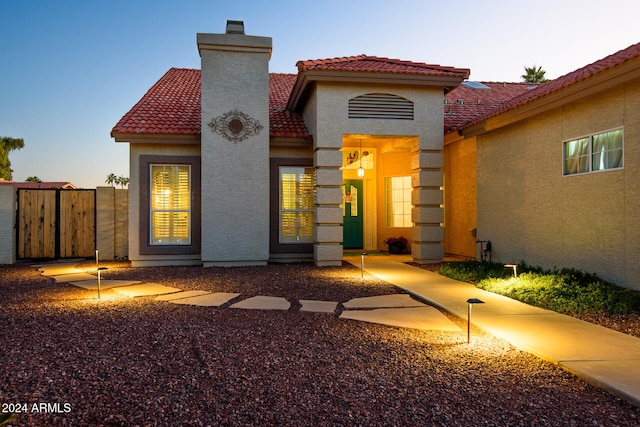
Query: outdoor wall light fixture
x,y
471,302
515,269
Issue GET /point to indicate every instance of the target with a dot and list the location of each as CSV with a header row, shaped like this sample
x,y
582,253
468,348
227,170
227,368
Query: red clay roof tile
x,y
365,63
544,89
172,107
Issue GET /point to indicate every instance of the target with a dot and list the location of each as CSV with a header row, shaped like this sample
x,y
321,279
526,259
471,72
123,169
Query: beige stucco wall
x,y
531,212
7,224
326,115
235,175
460,197
112,222
135,151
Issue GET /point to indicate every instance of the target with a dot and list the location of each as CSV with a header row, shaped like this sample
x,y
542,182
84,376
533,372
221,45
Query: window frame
x,y
387,202
590,153
174,210
275,246
145,246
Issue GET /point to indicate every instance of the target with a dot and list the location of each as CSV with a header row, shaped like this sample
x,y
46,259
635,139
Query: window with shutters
x,y
170,207
296,209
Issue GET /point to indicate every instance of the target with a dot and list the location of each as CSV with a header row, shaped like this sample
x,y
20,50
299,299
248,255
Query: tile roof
x,y
365,63
283,123
172,107
464,105
38,185
562,82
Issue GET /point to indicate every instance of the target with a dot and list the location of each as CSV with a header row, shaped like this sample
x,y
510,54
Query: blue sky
x,y
71,69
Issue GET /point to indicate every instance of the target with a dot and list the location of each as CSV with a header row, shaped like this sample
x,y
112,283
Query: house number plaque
x,y
235,126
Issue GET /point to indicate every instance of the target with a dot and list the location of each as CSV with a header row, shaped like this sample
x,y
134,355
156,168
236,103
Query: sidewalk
x,y
601,356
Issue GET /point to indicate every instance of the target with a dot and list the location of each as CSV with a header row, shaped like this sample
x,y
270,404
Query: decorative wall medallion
x,y
235,126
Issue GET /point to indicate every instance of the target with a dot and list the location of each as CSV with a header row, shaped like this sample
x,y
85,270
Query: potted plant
x,y
397,245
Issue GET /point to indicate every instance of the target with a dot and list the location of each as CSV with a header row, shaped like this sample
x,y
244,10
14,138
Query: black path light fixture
x,y
471,302
99,270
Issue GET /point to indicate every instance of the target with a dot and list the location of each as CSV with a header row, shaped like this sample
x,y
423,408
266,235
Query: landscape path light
x,y
362,255
515,269
471,302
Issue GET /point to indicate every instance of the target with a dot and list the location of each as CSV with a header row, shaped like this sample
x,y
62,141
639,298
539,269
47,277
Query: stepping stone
x,y
78,277
425,318
56,270
104,283
145,289
180,295
207,300
318,306
263,303
383,301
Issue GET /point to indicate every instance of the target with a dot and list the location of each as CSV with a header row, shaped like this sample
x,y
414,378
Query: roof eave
x,y
150,138
590,86
307,78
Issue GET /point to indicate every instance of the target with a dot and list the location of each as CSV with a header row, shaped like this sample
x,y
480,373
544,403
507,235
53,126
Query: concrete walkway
x,y
601,356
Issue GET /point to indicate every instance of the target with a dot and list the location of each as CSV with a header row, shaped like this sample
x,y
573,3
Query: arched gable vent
x,y
380,106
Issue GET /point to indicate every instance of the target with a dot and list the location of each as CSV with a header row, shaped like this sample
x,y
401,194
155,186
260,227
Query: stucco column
x,y
327,250
235,149
8,224
427,198
105,222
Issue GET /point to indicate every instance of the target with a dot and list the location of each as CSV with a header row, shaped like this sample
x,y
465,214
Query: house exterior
x,y
550,174
231,165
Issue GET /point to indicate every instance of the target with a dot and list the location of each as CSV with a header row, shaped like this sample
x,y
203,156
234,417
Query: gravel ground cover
x,y
123,361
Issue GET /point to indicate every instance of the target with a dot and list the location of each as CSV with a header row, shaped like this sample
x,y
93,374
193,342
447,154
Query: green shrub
x,y
564,291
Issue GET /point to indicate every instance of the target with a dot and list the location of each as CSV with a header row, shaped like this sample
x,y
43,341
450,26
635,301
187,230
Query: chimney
x,y
235,27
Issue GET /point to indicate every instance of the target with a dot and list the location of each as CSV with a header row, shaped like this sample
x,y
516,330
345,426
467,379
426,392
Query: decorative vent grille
x,y
380,106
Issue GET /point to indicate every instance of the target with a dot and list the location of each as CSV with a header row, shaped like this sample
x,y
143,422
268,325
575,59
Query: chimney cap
x,y
235,27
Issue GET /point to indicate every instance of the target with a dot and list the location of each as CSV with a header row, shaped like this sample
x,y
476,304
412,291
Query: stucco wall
x,y
531,212
7,225
327,115
460,197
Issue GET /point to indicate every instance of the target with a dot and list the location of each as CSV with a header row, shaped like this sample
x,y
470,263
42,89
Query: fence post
x,y
8,198
105,221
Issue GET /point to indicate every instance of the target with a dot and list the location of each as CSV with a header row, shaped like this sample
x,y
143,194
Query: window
x,y
170,205
397,201
296,203
597,152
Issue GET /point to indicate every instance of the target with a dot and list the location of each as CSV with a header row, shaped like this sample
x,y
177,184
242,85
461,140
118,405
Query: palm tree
x,y
534,75
111,179
33,179
123,181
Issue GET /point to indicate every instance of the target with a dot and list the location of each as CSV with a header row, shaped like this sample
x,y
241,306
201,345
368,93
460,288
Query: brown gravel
x,y
121,362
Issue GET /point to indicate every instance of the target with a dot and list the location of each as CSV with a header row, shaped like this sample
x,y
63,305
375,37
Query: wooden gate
x,y
56,223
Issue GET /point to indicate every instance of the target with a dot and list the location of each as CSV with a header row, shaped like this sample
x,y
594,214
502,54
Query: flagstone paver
x,y
263,303
77,277
318,306
383,301
180,295
207,300
145,289
425,318
104,283
56,270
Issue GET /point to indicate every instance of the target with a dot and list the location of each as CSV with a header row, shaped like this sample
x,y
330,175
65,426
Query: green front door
x,y
352,214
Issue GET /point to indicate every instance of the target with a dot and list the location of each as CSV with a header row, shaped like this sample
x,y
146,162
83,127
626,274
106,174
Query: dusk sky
x,y
71,69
